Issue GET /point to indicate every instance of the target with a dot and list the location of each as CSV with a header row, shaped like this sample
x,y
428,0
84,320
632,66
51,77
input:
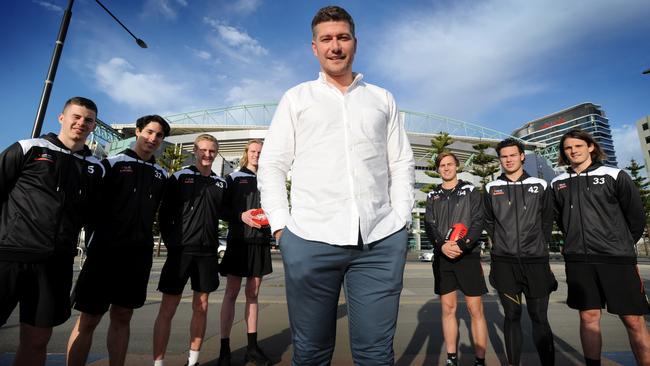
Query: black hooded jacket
x,y
600,213
243,195
131,194
190,211
462,205
519,218
47,193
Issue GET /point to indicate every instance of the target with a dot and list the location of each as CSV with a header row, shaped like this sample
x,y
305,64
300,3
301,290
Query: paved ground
x,y
418,339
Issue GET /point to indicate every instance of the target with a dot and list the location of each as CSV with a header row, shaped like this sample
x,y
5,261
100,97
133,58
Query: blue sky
x,y
498,63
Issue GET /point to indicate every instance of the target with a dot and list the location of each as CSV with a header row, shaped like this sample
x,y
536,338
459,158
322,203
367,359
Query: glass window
x,y
645,126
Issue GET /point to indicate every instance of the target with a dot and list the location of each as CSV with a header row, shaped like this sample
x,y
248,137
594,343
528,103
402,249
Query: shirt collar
x,y
357,76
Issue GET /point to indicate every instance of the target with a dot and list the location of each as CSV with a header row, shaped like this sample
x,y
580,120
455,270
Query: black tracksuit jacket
x,y
519,219
242,195
600,213
190,211
462,205
47,194
131,193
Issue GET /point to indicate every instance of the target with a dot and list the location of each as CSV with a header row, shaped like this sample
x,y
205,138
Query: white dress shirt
x,y
352,168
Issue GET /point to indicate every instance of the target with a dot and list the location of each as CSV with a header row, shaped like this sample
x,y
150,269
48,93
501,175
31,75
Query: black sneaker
x,y
257,357
187,364
451,362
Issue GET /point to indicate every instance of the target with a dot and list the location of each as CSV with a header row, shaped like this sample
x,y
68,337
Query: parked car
x,y
426,255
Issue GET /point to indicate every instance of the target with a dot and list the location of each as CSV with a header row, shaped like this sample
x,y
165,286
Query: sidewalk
x,y
418,339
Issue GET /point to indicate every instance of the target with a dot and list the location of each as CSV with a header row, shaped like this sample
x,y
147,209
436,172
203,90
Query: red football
x,y
456,232
259,217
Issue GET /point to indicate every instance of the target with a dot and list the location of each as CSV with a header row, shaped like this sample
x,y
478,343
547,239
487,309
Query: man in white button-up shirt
x,y
351,198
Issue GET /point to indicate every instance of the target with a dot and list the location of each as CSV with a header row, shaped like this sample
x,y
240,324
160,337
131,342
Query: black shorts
x,y
179,267
594,285
117,276
465,275
535,280
42,289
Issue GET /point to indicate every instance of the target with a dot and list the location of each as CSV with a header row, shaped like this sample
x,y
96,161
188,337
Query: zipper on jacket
x,y
582,225
517,225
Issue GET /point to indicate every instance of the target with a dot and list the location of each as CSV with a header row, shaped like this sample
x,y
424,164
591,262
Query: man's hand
x,y
247,218
277,235
451,249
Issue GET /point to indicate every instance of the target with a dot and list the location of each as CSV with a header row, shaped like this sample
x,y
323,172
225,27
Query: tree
x,y
172,159
642,184
438,146
484,165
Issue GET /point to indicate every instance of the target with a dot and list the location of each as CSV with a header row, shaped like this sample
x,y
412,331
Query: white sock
x,y
159,362
194,358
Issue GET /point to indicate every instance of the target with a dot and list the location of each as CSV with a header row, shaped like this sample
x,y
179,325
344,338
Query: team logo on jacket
x,y
561,186
498,192
243,181
45,157
189,180
126,169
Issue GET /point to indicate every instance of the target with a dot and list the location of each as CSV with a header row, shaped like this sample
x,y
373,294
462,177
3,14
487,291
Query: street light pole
x,y
51,73
54,63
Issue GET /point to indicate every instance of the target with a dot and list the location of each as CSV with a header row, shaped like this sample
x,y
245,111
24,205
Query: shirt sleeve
x,y
548,213
470,241
430,226
11,162
631,205
401,165
488,214
227,209
169,209
274,165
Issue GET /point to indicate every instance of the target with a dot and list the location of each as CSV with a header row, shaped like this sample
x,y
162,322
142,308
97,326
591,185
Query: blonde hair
x,y
243,162
205,137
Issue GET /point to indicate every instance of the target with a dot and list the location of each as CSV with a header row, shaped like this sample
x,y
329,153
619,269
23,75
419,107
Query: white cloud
x,y
261,90
163,7
118,79
202,54
245,6
49,6
234,42
465,58
627,145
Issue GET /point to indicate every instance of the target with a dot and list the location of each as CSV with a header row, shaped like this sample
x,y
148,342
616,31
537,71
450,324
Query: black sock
x,y
590,362
252,340
225,346
479,362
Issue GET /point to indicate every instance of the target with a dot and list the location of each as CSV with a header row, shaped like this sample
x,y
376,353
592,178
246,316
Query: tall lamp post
x,y
54,63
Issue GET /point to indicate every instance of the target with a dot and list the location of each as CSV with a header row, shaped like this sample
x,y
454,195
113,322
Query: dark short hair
x,y
509,142
576,133
145,120
331,13
82,102
443,155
